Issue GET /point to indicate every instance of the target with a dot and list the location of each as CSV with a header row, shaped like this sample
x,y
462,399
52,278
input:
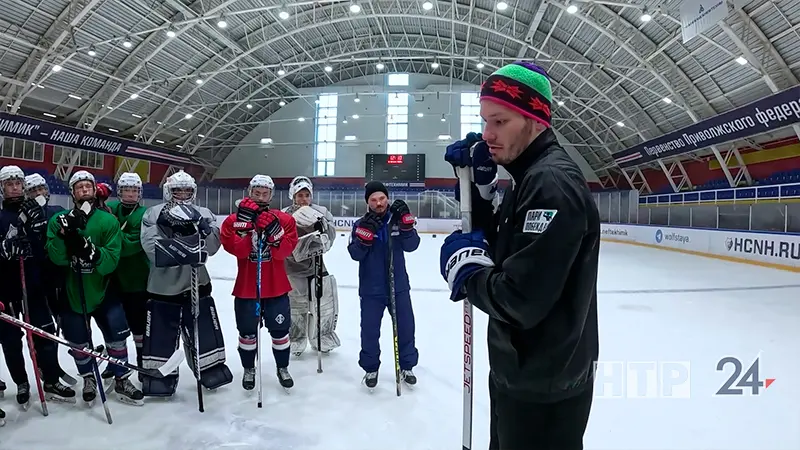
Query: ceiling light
x,y
357,100
248,106
127,43
56,68
355,8
199,81
135,135
134,96
443,119
113,130
444,137
170,33
420,115
301,119
179,146
282,103
201,135
350,138
645,17
560,103
110,107
49,115
620,124
379,66
281,72
283,15
427,6
666,100
741,60
182,130
501,6
91,51
159,141
480,65
136,115
266,140
435,65
354,116
344,120
222,23
328,68
159,122
572,9
188,116
74,96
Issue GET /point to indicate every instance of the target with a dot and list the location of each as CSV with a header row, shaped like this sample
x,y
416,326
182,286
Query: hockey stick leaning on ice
x,y
168,367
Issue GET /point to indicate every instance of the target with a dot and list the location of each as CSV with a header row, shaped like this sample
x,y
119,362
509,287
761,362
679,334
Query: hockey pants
x,y
168,319
372,309
517,424
11,338
304,314
110,319
275,315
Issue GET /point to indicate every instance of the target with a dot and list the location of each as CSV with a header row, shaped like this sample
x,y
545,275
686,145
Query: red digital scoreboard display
x,y
396,170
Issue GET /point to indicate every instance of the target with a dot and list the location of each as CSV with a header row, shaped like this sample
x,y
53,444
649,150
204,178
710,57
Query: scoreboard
x,y
396,170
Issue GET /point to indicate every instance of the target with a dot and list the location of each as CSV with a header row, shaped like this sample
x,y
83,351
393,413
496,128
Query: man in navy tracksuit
x,y
369,245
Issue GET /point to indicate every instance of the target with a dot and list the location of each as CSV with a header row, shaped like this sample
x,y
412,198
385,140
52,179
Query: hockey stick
x,y
196,318
97,377
259,260
464,175
318,295
392,307
31,348
98,353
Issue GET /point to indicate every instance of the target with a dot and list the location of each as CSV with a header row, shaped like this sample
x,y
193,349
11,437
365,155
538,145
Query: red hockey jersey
x,y
241,241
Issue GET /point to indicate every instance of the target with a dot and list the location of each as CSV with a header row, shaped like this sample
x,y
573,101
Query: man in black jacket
x,y
531,266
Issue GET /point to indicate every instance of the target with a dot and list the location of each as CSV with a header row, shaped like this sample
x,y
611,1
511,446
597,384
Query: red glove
x,y
248,210
103,191
271,226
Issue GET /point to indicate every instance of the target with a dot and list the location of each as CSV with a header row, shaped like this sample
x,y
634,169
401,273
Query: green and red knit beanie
x,y
523,87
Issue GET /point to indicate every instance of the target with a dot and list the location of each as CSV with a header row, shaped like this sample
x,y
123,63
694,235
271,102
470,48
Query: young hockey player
x,y
370,239
129,282
88,241
23,224
240,237
178,237
316,234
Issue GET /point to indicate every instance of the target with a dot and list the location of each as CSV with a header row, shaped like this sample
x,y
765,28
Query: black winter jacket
x,y
541,296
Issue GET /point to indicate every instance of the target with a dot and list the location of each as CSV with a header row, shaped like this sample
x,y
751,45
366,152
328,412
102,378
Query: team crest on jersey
x,y
537,220
266,252
279,318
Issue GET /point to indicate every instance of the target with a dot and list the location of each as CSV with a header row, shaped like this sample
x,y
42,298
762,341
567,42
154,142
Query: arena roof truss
x,y
168,73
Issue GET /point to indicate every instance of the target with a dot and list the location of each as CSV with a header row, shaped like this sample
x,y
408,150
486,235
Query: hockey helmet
x,y
32,184
298,184
179,180
261,181
129,180
9,173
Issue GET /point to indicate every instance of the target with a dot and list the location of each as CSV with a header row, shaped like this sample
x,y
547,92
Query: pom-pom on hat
x,y
523,87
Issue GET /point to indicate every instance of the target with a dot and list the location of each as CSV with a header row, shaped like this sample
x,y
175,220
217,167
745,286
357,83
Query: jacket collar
x,y
529,156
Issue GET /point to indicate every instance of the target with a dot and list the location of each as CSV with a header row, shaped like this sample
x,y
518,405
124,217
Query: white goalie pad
x,y
311,245
304,314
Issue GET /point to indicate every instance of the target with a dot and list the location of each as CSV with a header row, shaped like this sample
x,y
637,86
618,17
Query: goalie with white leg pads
x,y
178,237
316,234
240,237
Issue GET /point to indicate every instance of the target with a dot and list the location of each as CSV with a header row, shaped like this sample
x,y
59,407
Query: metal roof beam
x,y
537,20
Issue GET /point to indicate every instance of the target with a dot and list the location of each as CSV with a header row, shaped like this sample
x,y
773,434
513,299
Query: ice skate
x,y
59,392
371,380
89,389
3,388
127,392
249,379
68,379
409,377
284,378
24,395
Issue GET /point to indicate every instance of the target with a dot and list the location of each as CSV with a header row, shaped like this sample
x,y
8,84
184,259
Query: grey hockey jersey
x,y
305,268
174,280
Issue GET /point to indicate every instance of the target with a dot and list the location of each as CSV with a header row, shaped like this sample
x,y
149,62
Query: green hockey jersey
x,y
103,230
134,267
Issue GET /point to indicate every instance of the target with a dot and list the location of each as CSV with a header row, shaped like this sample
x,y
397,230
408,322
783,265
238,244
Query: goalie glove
x,y
306,216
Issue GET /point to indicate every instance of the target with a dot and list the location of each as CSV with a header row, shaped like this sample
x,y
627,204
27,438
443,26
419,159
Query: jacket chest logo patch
x,y
537,220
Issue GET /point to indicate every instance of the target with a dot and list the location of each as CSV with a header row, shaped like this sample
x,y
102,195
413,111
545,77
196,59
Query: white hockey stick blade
x,y
172,363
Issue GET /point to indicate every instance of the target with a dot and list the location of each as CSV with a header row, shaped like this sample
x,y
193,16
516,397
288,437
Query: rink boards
x,y
779,251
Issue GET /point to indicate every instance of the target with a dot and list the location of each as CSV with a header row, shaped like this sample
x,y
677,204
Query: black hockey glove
x,y
402,215
87,253
204,227
32,215
182,220
73,221
367,227
15,248
321,225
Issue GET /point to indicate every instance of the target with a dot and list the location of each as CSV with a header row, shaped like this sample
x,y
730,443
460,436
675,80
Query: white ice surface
x,y
653,305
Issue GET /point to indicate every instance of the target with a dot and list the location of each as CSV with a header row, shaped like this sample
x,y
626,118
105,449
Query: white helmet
x,y
261,181
79,176
298,184
129,180
11,173
34,181
180,180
